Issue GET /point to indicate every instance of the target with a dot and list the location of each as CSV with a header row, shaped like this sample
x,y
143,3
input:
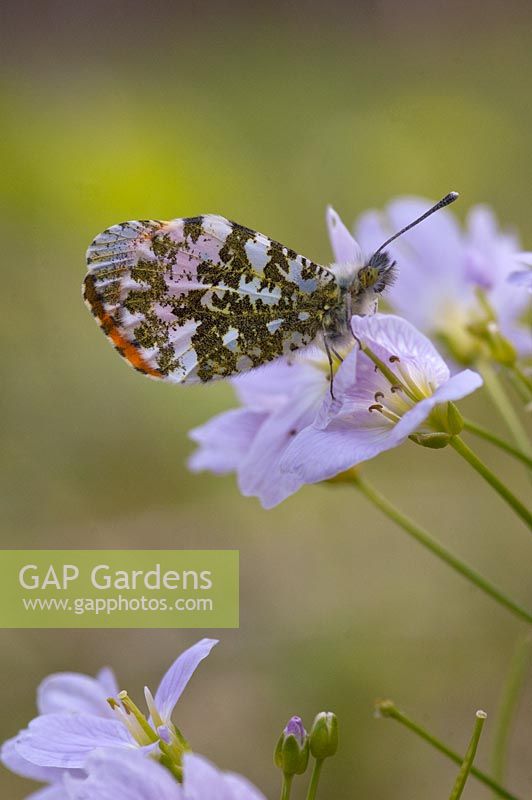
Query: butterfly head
x,y
377,274
379,271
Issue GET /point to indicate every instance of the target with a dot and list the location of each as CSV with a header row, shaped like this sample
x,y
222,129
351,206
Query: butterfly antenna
x,y
445,201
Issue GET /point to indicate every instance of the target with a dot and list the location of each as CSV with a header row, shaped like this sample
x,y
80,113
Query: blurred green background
x,y
264,113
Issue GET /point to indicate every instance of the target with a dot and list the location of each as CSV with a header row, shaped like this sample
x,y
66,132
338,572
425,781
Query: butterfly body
x,y
202,298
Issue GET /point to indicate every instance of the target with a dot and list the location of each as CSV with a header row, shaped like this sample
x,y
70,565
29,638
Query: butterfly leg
x,y
337,354
331,365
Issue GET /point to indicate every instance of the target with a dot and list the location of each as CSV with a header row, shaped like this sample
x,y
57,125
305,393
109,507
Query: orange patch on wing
x,y
125,348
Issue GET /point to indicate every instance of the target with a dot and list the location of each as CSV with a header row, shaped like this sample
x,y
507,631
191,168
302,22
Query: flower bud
x,y
324,735
433,440
291,752
455,421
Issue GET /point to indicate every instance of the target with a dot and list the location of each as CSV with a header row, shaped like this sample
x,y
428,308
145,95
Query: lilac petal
x,y
346,250
225,440
203,780
107,680
65,740
56,792
119,775
266,388
72,692
11,758
524,258
355,435
458,386
295,726
176,678
260,474
388,335
321,454
521,278
241,788
490,251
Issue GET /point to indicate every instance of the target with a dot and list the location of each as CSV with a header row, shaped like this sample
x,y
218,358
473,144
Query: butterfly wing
x,y
203,298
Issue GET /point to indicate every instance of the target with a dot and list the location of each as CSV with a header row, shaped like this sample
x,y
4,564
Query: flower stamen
x,y
142,726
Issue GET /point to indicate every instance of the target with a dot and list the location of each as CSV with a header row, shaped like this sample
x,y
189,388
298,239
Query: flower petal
x,y
266,388
176,678
65,740
524,258
345,248
203,780
119,775
107,680
241,788
458,386
224,440
259,473
56,792
317,455
521,278
11,758
391,336
72,692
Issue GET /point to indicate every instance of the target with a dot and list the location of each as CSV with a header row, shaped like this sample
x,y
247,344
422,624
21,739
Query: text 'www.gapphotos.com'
x,y
120,604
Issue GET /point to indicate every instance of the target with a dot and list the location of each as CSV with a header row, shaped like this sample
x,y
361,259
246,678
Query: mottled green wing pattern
x,y
203,298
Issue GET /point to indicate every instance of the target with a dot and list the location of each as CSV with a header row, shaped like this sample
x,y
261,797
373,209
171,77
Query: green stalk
x,y
517,386
467,763
423,537
286,787
315,779
523,378
512,689
386,708
481,432
521,510
507,411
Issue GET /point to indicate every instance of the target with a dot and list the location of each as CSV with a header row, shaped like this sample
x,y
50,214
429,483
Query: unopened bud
x,y
324,735
455,421
291,752
436,441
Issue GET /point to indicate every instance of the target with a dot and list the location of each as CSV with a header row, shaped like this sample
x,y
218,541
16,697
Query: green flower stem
x,y
522,511
386,708
315,779
478,430
467,763
523,394
514,683
523,378
424,538
507,411
286,787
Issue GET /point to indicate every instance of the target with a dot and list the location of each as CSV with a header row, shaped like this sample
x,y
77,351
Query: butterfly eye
x,y
368,276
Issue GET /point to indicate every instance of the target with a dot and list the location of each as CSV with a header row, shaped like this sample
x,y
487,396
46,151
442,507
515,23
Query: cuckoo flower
x,y
377,408
291,431
453,281
79,714
119,775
